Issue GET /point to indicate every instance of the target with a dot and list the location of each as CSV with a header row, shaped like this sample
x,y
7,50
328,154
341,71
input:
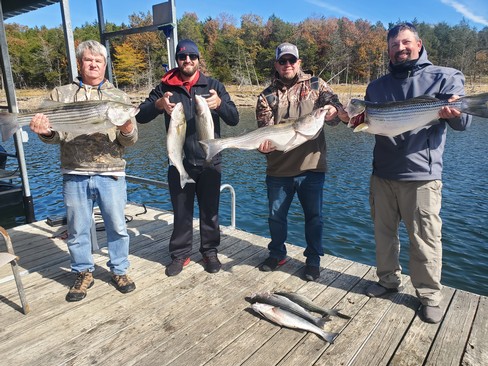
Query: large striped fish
x,y
283,136
394,118
79,118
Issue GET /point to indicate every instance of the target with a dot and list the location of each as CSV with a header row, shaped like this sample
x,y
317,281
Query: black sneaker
x,y
123,283
312,273
176,266
83,281
270,264
211,263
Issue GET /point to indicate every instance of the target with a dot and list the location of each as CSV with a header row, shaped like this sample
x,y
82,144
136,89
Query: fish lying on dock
x,y
394,118
284,136
306,303
290,320
79,118
175,140
288,305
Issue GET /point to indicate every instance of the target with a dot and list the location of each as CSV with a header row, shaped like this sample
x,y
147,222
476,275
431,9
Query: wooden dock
x,y
198,318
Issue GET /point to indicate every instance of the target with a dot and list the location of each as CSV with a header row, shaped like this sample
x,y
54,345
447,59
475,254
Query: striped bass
x,y
289,320
175,141
203,119
310,306
394,118
79,118
288,305
284,136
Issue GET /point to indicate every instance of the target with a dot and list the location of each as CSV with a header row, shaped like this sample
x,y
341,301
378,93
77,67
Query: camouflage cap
x,y
286,49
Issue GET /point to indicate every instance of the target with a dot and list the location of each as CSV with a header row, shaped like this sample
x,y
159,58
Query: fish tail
x,y
211,148
184,179
8,125
335,312
476,105
329,336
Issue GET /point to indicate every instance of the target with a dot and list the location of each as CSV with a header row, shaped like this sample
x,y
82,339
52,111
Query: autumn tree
x,y
128,65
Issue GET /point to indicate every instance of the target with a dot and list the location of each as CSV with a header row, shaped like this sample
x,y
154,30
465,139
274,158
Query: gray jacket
x,y
415,155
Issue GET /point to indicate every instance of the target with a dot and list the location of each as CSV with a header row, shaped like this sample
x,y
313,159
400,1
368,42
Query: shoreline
x,y
243,96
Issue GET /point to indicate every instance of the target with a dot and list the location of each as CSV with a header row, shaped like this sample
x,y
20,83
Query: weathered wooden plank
x,y
476,351
171,313
389,331
345,287
449,344
282,342
114,308
368,314
194,350
198,318
418,339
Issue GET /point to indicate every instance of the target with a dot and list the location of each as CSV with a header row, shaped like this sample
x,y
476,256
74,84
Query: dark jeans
x,y
281,190
207,191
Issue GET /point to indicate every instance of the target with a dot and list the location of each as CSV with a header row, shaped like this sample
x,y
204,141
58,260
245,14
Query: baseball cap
x,y
187,46
286,49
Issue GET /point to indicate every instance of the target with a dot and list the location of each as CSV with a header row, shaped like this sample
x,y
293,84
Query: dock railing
x,y
158,183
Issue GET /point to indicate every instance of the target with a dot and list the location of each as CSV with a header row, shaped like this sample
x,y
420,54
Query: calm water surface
x,y
347,225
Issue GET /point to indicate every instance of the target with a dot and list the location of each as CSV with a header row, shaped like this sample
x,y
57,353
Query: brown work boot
x,y
83,281
123,283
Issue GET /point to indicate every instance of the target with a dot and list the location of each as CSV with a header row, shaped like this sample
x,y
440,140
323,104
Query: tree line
x,y
337,49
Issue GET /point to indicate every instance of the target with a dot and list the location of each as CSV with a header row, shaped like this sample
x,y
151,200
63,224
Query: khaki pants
x,y
418,204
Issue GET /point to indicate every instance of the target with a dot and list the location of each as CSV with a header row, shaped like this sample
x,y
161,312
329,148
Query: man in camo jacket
x,y
294,93
93,172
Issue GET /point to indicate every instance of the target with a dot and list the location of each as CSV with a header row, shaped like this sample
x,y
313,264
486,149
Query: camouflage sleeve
x,y
264,112
328,97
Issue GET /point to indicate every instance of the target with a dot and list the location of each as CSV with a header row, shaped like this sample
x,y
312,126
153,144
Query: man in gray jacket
x,y
93,172
407,171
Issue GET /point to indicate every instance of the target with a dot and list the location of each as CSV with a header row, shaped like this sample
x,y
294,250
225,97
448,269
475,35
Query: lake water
x,y
348,230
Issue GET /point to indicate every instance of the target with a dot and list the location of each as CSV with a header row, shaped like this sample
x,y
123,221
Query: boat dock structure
x,y
197,318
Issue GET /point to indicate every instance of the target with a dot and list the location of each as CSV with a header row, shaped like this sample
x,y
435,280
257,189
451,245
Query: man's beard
x,y
407,59
188,71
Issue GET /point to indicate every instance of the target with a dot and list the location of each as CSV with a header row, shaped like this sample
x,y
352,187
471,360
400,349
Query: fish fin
x,y
330,337
476,105
321,322
361,127
335,312
343,316
211,147
289,144
8,125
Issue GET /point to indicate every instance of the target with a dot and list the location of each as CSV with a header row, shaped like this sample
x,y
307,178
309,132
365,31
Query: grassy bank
x,y
243,96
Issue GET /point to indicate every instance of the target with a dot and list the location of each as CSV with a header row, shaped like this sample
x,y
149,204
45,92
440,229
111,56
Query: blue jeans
x,y
81,192
309,188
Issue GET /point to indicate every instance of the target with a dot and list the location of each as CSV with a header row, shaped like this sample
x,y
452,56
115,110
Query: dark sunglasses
x,y
292,61
183,56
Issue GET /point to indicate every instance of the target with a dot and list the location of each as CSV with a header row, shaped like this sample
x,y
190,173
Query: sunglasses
x,y
292,61
183,56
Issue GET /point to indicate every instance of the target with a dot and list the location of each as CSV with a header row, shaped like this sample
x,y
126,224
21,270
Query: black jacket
x,y
194,153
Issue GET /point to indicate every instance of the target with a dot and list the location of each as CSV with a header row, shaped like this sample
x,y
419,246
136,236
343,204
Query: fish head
x,y
355,110
120,113
200,104
355,107
178,113
178,120
261,308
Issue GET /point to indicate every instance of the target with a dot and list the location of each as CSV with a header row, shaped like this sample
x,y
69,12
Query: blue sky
x,y
385,11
